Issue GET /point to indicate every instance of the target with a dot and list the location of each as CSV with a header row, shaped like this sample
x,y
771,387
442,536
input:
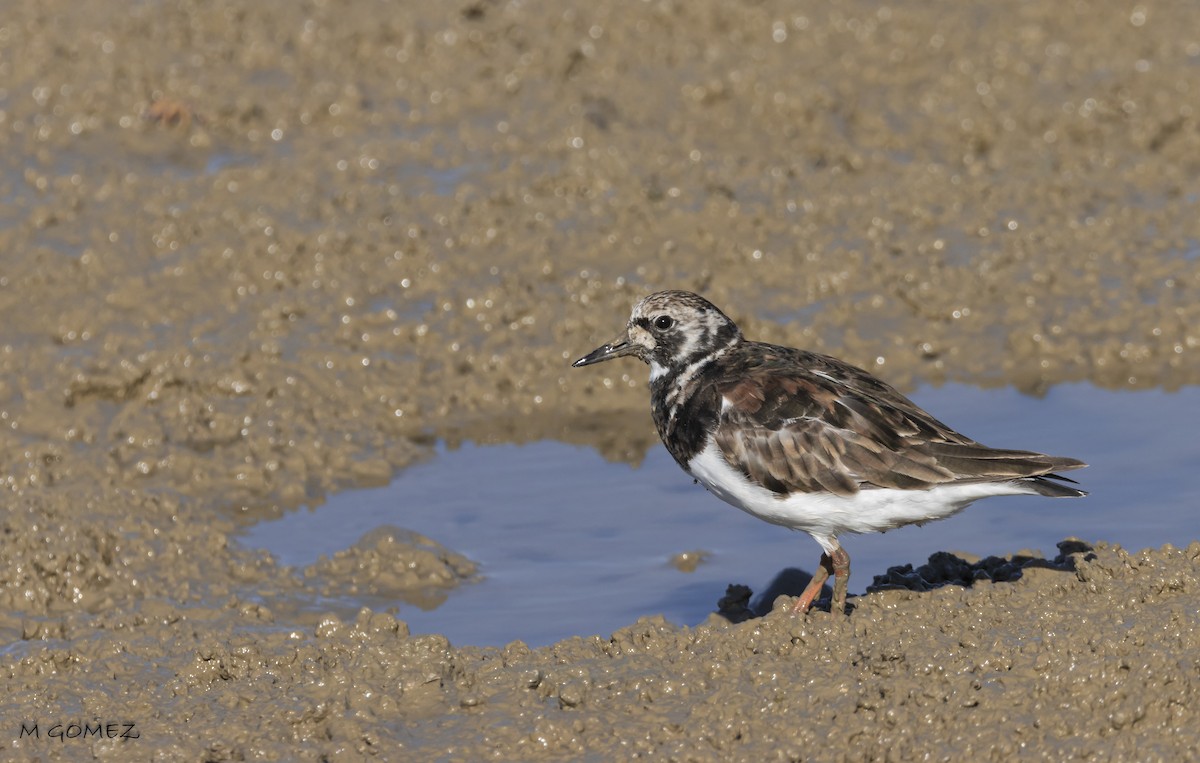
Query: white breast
x,y
825,516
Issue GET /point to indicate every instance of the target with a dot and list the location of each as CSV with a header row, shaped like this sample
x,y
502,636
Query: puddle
x,y
571,544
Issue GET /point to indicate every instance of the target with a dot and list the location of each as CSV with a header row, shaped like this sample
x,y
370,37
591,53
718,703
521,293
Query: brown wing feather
x,y
798,421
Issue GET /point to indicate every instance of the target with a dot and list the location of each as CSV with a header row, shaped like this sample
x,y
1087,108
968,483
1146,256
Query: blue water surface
x,y
571,544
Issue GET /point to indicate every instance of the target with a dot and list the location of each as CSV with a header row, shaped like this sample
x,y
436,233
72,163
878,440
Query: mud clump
x,y
390,562
945,568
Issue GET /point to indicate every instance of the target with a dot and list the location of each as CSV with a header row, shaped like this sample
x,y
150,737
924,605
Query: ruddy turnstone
x,y
808,441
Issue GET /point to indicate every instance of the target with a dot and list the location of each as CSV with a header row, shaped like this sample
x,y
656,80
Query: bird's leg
x,y
820,575
840,562
836,564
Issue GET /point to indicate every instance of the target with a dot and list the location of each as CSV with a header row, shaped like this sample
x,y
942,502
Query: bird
x,y
808,441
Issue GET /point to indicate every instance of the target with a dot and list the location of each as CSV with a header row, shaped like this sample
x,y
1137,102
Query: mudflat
x,y
257,253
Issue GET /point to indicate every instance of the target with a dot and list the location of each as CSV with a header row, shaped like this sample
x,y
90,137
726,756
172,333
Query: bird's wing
x,y
798,421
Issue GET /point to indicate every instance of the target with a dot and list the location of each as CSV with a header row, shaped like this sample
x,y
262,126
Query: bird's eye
x,y
664,322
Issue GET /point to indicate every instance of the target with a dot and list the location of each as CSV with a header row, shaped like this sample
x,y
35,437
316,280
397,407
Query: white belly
x,y
825,516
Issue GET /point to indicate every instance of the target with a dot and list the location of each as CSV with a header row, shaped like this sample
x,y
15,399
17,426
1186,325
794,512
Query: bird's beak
x,y
617,348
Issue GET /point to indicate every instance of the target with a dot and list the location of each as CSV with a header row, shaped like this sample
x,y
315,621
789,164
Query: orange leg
x,y
841,579
813,589
838,565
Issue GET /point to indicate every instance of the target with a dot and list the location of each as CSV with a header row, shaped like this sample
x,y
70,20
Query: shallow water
x,y
570,544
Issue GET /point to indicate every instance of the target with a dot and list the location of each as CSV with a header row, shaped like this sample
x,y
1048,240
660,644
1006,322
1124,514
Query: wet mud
x,y
256,253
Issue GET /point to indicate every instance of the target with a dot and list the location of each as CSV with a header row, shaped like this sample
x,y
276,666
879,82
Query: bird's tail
x,y
1052,485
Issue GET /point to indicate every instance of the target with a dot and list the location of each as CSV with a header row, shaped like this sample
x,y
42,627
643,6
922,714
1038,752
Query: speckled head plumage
x,y
669,329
